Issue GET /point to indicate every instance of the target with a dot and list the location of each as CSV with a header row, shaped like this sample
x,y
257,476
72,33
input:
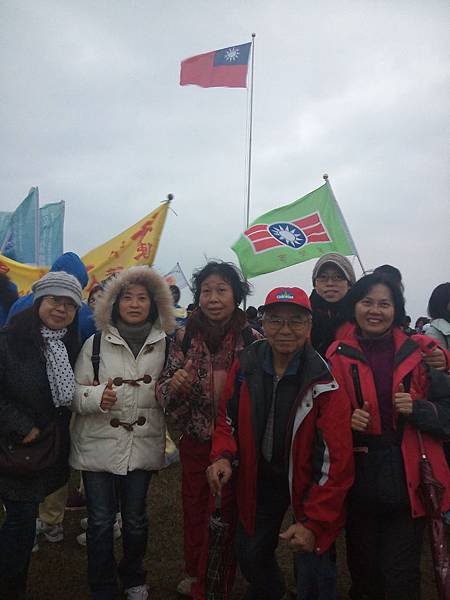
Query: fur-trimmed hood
x,y
151,280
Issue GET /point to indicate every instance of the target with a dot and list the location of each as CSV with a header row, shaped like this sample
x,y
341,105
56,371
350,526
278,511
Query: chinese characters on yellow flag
x,y
137,245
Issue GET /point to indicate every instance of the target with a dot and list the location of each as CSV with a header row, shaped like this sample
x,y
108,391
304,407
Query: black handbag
x,y
19,460
380,480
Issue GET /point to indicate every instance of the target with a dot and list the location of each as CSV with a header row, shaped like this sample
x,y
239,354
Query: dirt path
x,y
58,571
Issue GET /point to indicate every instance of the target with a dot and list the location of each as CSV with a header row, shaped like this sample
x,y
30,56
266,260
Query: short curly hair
x,y
227,271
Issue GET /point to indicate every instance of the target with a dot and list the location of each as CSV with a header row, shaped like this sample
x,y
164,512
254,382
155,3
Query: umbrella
x,y
216,563
431,491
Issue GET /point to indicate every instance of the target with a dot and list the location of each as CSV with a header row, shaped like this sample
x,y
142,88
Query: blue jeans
x,y
100,491
16,542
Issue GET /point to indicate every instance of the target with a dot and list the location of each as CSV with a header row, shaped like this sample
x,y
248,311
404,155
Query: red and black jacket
x,y
430,391
318,442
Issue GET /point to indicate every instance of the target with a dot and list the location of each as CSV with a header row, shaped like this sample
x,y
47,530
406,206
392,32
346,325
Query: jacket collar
x,y
314,368
156,333
404,346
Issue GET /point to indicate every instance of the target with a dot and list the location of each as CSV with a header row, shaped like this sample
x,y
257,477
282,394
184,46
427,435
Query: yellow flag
x,y
22,275
137,245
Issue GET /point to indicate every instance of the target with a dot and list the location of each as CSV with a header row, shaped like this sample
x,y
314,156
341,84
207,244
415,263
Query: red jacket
x,y
430,391
320,448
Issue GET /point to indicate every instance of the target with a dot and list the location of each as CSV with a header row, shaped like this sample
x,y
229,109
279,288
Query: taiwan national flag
x,y
222,68
305,229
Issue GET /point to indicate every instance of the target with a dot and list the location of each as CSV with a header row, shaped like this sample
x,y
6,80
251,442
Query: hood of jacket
x,y
71,263
152,281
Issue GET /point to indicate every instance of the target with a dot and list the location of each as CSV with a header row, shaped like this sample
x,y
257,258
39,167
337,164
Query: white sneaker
x,y
139,592
185,586
81,539
52,533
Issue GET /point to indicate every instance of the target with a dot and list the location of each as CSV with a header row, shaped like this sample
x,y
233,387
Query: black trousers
x,y
383,555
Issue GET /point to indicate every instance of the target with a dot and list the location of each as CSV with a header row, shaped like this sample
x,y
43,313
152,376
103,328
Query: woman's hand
x,y
435,360
31,435
109,396
181,381
361,418
300,538
218,474
403,403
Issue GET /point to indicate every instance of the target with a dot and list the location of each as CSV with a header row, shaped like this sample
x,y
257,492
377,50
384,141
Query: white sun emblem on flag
x,y
288,234
232,54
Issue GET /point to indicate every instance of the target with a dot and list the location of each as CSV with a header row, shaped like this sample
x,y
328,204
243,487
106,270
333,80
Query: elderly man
x,y
282,427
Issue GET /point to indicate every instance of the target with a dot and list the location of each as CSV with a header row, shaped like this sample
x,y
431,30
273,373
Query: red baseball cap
x,y
288,295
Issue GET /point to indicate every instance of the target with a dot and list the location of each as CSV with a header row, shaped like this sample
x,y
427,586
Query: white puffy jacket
x,y
96,444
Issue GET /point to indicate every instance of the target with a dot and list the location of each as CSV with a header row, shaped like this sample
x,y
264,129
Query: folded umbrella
x,y
431,492
217,554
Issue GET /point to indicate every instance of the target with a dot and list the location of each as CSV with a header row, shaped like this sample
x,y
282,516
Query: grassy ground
x,y
58,571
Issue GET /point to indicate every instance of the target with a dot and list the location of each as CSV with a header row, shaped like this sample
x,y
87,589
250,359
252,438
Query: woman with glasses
x,y
332,277
190,387
37,351
118,431
398,406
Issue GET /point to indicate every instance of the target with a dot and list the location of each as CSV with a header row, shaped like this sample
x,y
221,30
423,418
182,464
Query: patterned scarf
x,y
59,372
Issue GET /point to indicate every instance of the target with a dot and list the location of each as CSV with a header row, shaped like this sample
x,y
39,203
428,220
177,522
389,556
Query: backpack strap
x,y
95,357
357,385
407,381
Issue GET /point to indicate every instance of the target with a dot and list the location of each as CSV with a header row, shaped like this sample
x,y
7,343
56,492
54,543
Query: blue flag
x,y
5,220
19,241
51,232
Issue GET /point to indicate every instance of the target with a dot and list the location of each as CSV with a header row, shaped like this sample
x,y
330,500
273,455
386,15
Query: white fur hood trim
x,y
151,280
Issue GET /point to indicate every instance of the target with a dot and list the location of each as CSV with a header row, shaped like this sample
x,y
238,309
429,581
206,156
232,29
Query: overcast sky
x,y
92,113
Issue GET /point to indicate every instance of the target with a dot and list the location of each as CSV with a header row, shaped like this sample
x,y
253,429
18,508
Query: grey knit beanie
x,y
58,283
339,261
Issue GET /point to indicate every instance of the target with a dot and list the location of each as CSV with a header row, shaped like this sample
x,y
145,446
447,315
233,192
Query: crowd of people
x,y
320,406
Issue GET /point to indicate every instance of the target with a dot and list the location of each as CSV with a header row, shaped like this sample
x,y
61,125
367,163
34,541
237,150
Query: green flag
x,y
305,229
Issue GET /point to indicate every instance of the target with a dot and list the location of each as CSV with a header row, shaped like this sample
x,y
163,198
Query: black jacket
x,y
26,402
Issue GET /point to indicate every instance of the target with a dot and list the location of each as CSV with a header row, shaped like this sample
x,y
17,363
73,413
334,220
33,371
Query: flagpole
x,y
250,139
344,224
37,230
250,135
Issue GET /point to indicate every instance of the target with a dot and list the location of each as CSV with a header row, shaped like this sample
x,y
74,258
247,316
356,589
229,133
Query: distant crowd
x,y
327,406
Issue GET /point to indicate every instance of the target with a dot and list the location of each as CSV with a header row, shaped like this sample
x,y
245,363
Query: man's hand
x,y
218,474
361,418
109,396
181,380
31,435
435,360
403,402
300,538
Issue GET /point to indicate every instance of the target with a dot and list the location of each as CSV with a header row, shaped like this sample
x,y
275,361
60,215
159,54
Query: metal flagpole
x,y
250,135
250,139
37,230
344,224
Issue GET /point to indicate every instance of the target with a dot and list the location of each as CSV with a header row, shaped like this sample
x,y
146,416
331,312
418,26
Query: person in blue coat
x,y
8,295
70,263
